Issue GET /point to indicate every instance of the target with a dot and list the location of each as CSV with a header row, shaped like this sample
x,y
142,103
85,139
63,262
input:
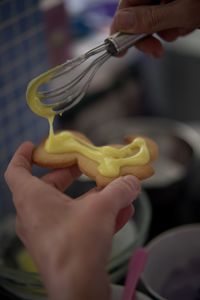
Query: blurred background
x,y
133,94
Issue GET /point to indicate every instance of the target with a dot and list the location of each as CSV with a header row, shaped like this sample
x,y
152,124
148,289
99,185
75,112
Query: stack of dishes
x,y
131,236
18,275
117,292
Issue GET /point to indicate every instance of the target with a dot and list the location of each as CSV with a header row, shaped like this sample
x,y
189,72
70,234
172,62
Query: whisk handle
x,y
119,42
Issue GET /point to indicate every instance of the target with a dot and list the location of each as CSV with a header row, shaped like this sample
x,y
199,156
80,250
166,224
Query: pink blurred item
x,y
135,268
56,21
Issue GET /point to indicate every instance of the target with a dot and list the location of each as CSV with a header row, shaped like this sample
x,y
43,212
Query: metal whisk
x,y
69,81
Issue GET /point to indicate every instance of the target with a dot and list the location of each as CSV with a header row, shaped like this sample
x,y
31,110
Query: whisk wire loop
x,y
63,95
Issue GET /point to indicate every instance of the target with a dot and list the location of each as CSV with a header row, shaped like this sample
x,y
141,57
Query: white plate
x,y
117,291
123,239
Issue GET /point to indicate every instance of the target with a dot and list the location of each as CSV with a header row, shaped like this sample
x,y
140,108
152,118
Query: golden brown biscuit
x,y
89,167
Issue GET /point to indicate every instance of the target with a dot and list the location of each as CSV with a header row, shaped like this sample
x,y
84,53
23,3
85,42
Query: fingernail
x,y
133,183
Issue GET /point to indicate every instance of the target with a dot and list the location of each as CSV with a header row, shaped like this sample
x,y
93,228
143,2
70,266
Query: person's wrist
x,y
78,280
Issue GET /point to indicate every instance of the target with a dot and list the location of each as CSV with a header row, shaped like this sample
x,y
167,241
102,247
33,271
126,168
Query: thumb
x,y
150,18
19,168
119,194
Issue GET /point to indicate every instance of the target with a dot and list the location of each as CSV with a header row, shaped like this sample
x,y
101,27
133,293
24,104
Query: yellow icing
x,y
34,98
110,159
25,261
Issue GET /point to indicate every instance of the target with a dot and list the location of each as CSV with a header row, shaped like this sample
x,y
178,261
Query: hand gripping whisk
x,y
64,86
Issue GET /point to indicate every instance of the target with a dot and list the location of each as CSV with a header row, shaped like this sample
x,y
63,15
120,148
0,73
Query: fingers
x,y
19,171
171,35
119,194
152,46
124,215
151,18
62,178
19,168
92,192
170,19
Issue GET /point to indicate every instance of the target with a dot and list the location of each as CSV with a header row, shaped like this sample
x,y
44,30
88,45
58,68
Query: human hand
x,y
170,20
69,239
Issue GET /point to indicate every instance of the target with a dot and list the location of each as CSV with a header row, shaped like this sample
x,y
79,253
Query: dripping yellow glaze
x,y
110,159
33,97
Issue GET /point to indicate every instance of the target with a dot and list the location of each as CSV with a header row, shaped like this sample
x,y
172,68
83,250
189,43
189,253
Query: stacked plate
x,y
17,272
131,236
117,292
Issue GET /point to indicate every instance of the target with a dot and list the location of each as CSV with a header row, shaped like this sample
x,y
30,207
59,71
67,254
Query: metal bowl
x,y
176,180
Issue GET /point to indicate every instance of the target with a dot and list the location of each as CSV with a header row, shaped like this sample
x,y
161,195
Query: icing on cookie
x,y
109,159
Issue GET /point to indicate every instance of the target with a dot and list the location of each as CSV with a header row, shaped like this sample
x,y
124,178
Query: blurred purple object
x,y
99,15
57,32
106,8
184,283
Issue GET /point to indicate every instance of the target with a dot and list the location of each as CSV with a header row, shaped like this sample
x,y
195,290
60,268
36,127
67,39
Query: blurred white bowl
x,y
117,292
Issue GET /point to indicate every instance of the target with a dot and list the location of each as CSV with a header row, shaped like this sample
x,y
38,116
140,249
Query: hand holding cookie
x,y
69,240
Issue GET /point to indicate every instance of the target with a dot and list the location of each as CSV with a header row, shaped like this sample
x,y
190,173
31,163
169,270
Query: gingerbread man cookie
x,y
103,163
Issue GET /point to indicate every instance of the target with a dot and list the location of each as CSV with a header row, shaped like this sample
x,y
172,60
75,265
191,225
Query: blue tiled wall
x,y
23,55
